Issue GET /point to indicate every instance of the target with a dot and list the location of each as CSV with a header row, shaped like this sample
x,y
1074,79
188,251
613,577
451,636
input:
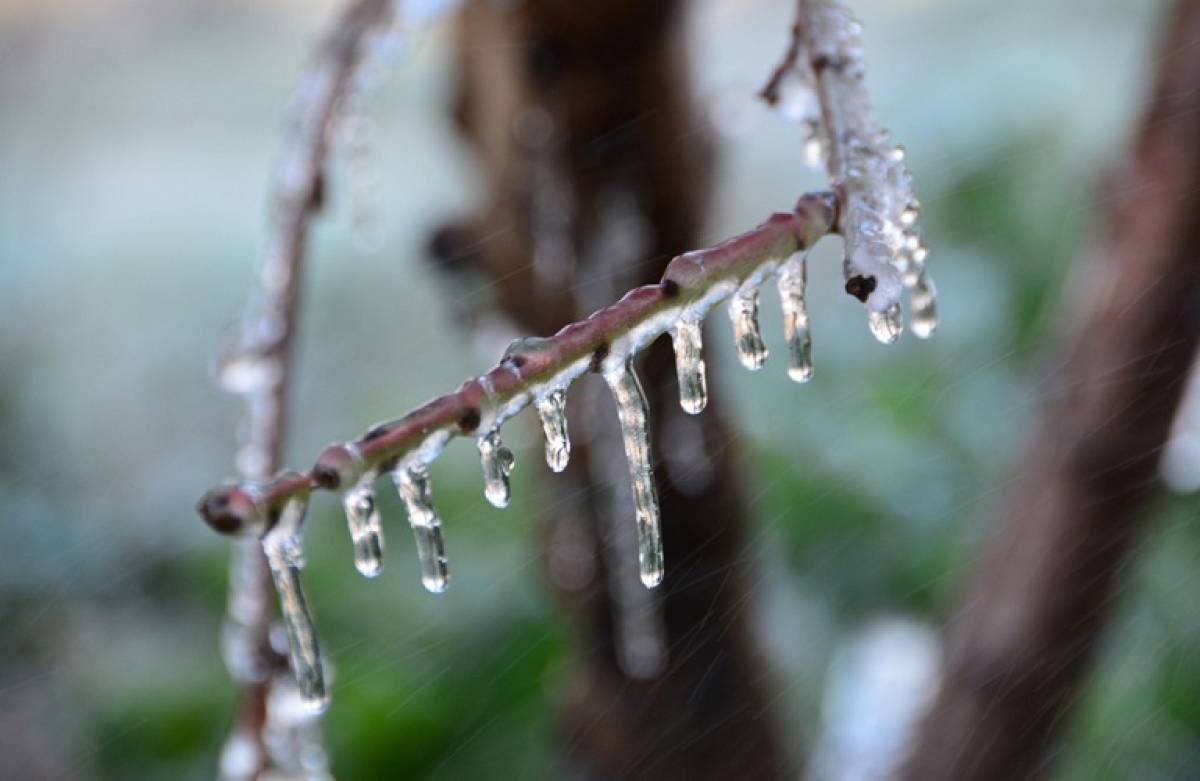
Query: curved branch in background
x,y
1030,624
267,734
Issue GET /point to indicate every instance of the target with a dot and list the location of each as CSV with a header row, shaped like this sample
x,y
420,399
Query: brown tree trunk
x,y
1029,627
596,177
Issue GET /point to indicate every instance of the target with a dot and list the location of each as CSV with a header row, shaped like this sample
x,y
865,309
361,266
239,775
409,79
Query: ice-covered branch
x,y
871,204
536,371
256,364
821,84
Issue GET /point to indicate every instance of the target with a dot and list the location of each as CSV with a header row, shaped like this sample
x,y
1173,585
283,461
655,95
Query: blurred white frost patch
x,y
880,684
1180,466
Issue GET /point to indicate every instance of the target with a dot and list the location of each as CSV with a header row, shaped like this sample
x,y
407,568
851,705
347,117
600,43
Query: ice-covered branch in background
x,y
872,205
271,733
820,84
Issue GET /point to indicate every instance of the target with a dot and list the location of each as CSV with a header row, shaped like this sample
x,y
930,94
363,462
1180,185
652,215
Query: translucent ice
x,y
886,325
413,485
743,311
285,556
689,364
497,461
795,319
362,517
923,300
551,408
632,412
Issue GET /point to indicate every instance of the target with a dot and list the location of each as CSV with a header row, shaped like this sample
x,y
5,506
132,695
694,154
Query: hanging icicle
x,y
747,338
632,412
689,363
795,318
551,408
413,485
362,517
497,461
285,556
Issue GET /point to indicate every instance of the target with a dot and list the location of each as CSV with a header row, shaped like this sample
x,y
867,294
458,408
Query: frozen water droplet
x,y
413,485
285,557
796,99
795,319
743,311
552,409
689,364
813,151
886,325
923,302
362,517
632,413
497,461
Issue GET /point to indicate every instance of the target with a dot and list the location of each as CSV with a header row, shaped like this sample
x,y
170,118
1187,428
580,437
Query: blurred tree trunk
x,y
1029,627
597,175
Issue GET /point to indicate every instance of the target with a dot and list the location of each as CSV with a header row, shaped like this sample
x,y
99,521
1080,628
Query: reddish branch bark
x,y
1029,627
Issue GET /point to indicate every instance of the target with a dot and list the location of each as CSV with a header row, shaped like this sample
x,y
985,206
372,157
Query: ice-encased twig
x,y
285,556
256,364
635,435
883,254
692,285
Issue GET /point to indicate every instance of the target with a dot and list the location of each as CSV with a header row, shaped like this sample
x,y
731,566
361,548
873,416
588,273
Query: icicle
x,y
795,319
886,325
632,412
497,461
362,517
413,485
285,556
689,364
743,311
923,301
552,409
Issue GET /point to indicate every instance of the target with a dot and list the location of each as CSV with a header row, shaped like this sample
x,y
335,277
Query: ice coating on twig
x,y
821,86
792,282
413,484
747,338
497,461
362,518
285,556
552,410
689,364
632,413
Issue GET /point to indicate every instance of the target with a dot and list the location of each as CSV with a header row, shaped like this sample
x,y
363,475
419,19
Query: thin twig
x,y
258,362
697,280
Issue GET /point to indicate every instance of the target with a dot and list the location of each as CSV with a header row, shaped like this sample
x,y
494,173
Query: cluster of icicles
x,y
883,258
282,543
